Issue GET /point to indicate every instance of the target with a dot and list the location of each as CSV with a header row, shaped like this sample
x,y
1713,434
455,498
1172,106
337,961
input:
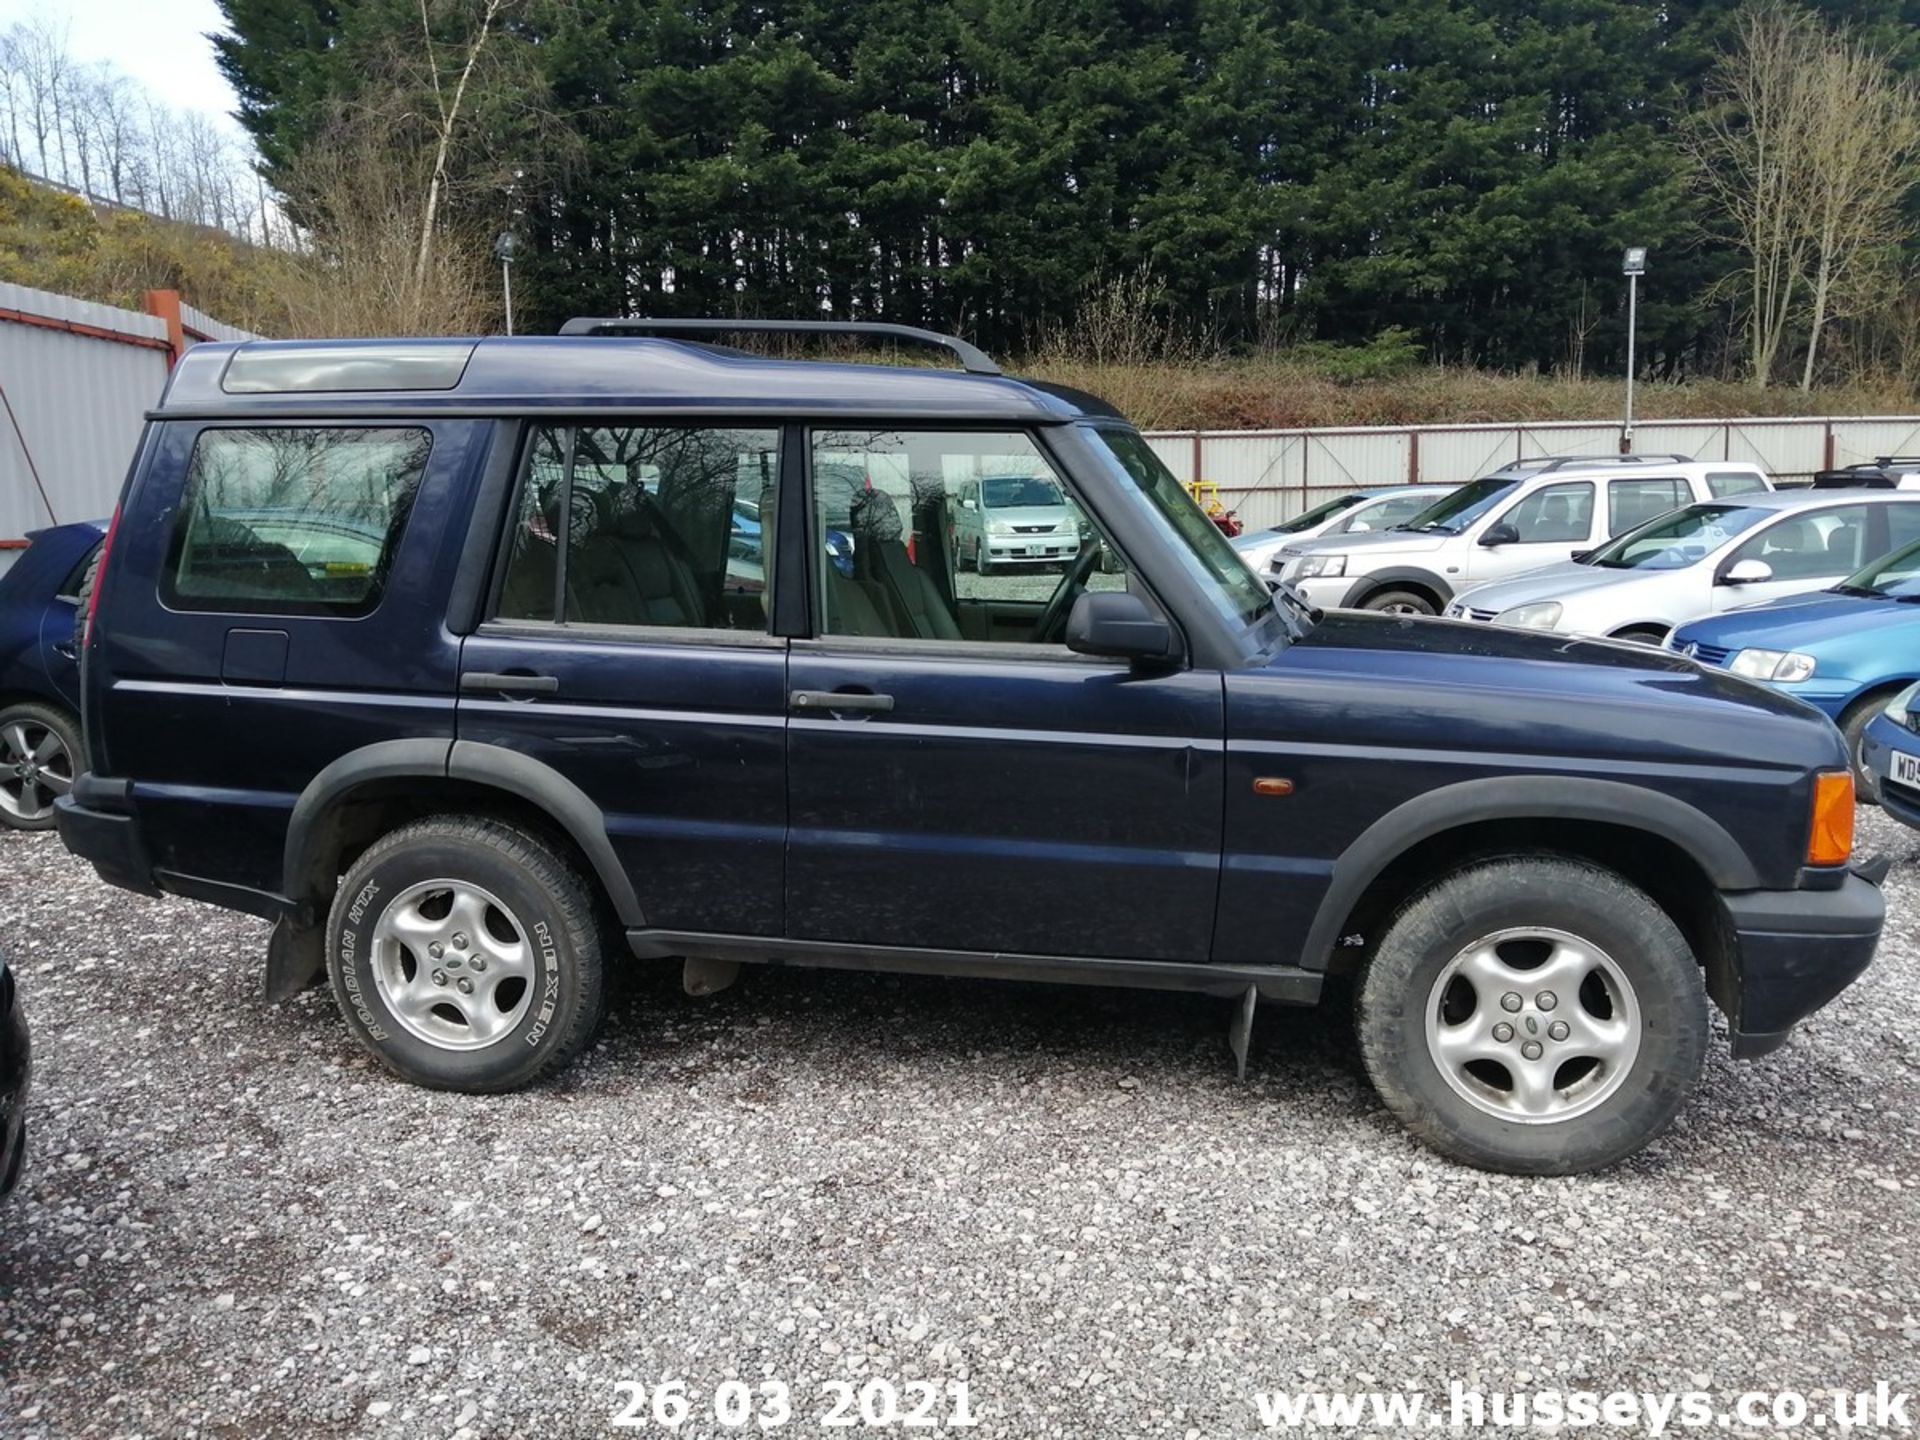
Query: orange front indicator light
x,y
1831,841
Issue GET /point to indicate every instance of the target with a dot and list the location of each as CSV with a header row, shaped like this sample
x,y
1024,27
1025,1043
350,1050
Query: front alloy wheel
x,y
1540,1016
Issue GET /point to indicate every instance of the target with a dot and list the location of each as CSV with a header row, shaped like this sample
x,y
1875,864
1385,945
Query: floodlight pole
x,y
1633,266
503,247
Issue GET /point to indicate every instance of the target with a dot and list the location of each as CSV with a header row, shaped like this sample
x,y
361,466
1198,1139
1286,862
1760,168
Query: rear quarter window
x,y
293,520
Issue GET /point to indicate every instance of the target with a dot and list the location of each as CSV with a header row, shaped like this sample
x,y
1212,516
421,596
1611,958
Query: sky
x,y
160,44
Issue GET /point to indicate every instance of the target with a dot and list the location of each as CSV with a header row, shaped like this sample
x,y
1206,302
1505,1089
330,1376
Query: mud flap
x,y
1240,1031
296,957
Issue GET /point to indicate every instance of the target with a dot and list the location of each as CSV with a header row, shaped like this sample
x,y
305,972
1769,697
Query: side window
x,y
1556,514
292,520
1807,547
1903,526
931,535
1734,482
665,526
1631,503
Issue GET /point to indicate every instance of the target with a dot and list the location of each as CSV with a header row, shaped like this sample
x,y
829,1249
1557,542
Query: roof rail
x,y
1545,463
972,359
1894,460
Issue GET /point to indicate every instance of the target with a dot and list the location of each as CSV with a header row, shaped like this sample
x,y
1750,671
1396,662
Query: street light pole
x,y
503,245
1634,267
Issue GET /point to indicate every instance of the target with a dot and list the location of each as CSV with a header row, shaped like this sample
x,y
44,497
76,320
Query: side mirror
x,y
1747,572
1119,626
1500,533
967,504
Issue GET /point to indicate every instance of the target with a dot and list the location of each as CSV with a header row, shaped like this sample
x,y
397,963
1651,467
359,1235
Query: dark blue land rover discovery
x,y
475,664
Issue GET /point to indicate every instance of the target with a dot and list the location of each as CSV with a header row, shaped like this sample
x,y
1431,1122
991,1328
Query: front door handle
x,y
510,683
839,700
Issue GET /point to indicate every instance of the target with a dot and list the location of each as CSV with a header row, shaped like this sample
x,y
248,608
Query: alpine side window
x,y
642,525
1555,514
292,520
1634,501
949,535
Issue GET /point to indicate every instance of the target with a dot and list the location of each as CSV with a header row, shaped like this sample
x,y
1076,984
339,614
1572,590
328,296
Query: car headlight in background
x,y
1902,704
1540,615
1783,667
1315,566
999,527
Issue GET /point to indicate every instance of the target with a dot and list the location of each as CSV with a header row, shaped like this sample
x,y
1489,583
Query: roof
x,y
1561,466
334,377
1805,499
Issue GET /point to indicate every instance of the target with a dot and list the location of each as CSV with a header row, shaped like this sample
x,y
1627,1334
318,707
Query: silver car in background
x,y
1356,512
1703,559
1014,520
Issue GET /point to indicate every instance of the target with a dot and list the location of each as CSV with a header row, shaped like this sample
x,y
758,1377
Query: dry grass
x,y
1278,394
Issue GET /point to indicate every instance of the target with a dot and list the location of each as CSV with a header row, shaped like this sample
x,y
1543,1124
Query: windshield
x,y
1314,516
1004,492
1457,511
1203,549
1896,576
1673,542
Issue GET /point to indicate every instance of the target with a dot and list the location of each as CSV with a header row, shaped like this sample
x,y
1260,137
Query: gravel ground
x,y
232,1226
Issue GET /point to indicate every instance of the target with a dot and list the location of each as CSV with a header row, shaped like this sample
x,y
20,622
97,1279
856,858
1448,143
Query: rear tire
x,y
1400,602
465,954
1533,1016
40,755
85,604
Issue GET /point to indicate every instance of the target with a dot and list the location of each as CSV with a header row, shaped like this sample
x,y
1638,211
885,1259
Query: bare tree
x,y
447,119
1862,150
42,56
1748,145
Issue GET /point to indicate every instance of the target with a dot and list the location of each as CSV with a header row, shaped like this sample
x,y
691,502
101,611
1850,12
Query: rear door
x,y
626,647
1632,500
272,605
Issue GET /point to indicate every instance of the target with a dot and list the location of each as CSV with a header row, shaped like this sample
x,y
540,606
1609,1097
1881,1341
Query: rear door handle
x,y
509,683
838,700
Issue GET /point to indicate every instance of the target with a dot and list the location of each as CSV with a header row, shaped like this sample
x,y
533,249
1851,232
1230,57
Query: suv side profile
x,y
1527,515
552,714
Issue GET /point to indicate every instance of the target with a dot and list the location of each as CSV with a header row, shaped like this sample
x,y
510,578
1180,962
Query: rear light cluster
x,y
99,577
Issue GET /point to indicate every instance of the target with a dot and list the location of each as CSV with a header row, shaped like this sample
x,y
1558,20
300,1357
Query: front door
x,y
1803,551
627,649
959,780
1549,526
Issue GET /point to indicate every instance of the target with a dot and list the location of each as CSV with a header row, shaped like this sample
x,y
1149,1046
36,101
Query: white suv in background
x,y
1529,514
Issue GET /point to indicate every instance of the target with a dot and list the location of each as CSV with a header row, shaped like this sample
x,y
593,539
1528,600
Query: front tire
x,y
1853,727
1400,602
465,954
1533,1016
39,757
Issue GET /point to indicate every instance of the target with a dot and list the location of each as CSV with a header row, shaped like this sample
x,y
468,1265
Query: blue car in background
x,y
1890,749
39,677
1848,650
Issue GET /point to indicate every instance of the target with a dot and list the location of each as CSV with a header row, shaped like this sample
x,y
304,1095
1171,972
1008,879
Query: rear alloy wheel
x,y
465,954
1400,602
1540,1017
39,756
